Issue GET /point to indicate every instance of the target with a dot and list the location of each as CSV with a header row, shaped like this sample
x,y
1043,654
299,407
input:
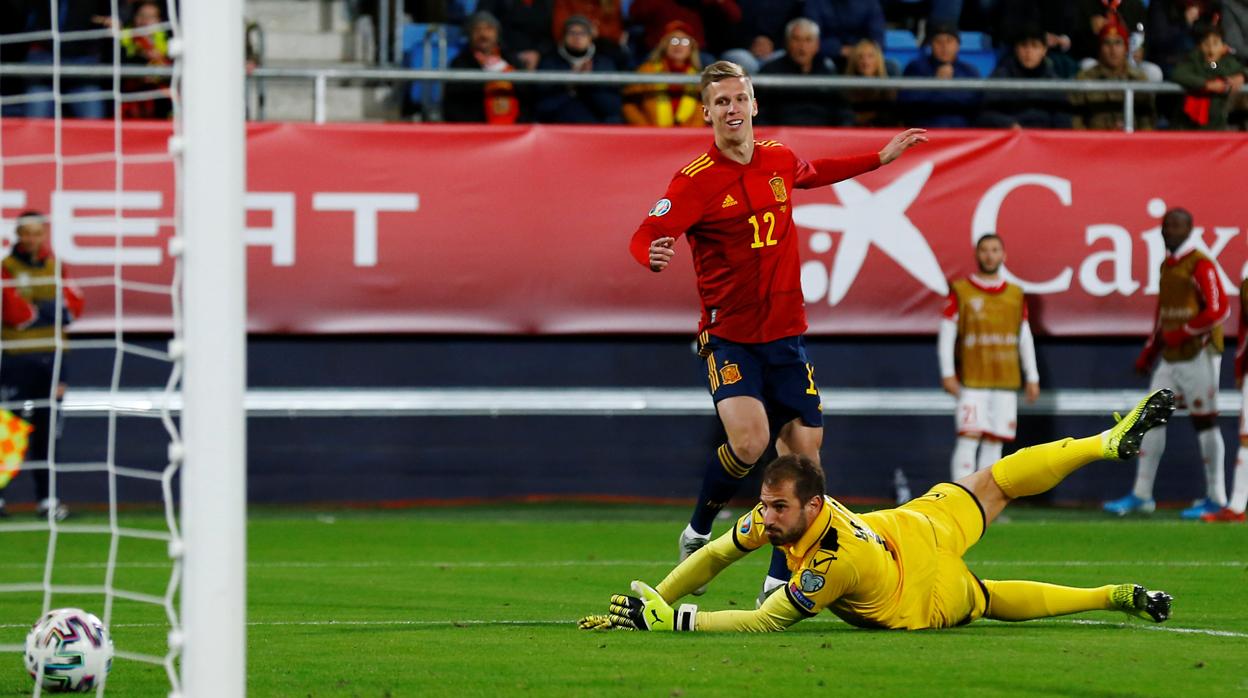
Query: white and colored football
x,y
72,646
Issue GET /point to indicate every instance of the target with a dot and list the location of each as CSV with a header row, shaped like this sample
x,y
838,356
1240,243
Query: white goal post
x,y
213,143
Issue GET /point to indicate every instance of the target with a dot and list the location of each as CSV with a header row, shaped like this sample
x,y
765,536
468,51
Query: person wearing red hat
x,y
1103,110
665,105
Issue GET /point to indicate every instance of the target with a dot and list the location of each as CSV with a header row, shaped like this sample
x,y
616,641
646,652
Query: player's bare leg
x,y
798,438
745,423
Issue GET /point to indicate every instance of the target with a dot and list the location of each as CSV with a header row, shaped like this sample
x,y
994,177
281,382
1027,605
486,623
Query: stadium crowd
x,y
1195,43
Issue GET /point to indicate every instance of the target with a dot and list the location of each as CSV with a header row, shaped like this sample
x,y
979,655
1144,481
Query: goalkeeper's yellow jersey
x,y
885,569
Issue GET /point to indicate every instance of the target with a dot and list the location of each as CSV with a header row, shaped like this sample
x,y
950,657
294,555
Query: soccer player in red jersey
x,y
732,203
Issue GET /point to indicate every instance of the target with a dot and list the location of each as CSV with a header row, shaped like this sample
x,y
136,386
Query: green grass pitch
x,y
483,600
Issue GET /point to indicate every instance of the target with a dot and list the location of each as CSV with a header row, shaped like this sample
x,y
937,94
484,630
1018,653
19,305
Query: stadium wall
x,y
403,459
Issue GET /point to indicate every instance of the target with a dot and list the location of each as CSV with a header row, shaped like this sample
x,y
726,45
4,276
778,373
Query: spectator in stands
x,y
1213,79
607,18
492,102
74,16
33,301
524,27
1103,110
944,109
668,105
142,43
1028,61
843,23
759,36
12,20
1091,16
572,103
655,15
871,106
1171,24
811,107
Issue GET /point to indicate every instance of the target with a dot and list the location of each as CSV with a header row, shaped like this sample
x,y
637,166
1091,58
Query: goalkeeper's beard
x,y
779,536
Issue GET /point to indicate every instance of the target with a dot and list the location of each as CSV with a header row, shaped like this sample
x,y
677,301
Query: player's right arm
x,y
946,339
669,218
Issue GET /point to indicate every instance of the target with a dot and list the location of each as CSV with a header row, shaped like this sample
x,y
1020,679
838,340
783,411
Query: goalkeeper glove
x,y
595,623
648,611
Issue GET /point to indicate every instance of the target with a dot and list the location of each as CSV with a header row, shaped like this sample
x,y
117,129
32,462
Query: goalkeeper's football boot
x,y
1130,504
690,543
1225,515
1122,441
1199,508
1138,601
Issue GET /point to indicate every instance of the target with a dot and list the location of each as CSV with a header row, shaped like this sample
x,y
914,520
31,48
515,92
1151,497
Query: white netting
x,y
43,176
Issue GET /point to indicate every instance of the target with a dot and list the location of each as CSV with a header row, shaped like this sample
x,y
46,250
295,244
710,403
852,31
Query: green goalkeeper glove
x,y
650,611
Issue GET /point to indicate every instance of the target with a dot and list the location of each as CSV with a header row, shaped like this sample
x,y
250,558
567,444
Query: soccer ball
x,y
73,647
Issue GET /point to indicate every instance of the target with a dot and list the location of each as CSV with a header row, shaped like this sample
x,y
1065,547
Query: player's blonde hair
x,y
723,70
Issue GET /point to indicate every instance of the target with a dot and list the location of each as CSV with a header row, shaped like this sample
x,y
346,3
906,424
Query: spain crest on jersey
x,y
777,188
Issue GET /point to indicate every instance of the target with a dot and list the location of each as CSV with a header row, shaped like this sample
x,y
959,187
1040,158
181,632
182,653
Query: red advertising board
x,y
524,230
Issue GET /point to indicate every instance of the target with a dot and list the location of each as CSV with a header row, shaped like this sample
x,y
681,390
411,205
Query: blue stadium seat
x,y
900,39
432,39
975,41
985,61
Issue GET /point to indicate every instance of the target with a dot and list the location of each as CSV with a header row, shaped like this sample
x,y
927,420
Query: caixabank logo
x,y
1105,262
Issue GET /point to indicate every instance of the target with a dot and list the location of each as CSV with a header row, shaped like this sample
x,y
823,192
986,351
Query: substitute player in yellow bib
x,y
986,353
898,568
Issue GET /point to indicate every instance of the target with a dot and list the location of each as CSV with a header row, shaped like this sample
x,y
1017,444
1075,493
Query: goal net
x,y
121,355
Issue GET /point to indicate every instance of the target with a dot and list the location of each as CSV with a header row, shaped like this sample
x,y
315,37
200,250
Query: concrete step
x,y
288,100
298,16
322,47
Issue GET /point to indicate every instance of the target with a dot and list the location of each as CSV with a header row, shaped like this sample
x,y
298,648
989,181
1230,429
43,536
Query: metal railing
x,y
587,402
322,76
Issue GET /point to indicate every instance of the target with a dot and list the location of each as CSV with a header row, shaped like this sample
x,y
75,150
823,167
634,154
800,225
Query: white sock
x,y
1239,491
1151,448
1213,452
690,533
989,453
770,582
963,463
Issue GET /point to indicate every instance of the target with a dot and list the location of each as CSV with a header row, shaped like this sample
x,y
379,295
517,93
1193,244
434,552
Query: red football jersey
x,y
739,220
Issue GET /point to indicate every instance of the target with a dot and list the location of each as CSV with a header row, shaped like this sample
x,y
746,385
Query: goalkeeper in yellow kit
x,y
896,568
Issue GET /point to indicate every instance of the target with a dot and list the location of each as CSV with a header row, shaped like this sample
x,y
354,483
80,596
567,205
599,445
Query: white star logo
x,y
865,218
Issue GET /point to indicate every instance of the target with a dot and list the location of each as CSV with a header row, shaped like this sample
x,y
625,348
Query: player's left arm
x,y
824,171
701,567
1027,357
1215,308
